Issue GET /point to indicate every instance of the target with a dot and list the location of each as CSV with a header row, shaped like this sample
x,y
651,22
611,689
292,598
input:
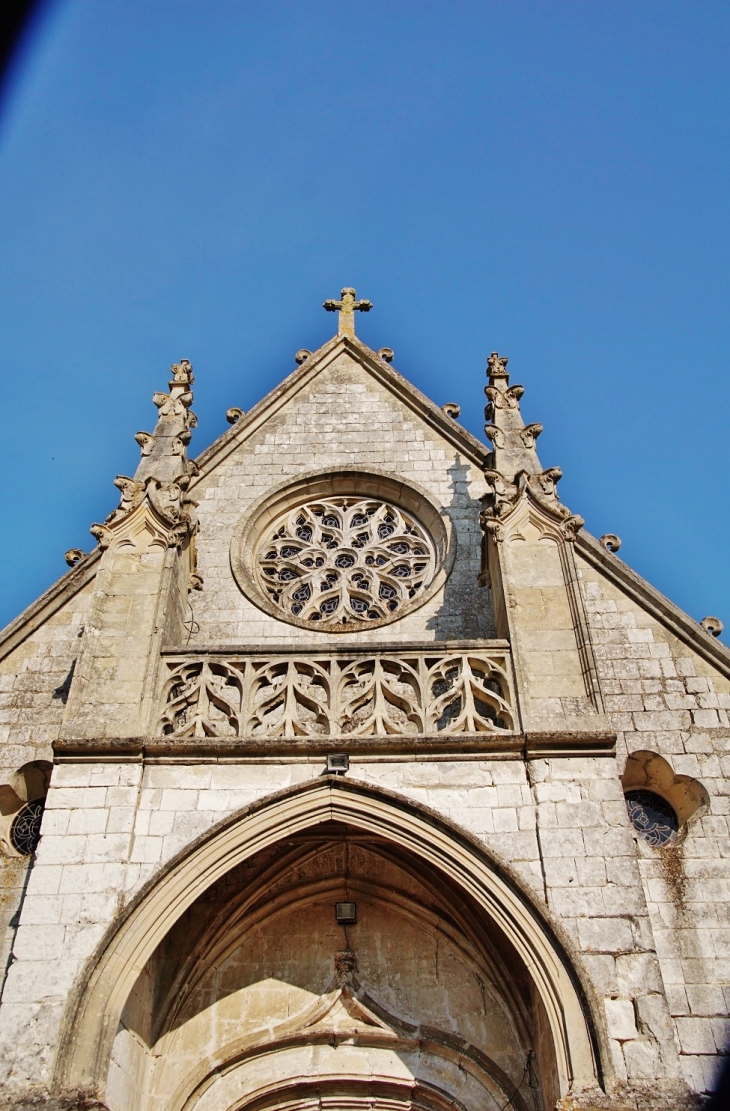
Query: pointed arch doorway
x,y
231,983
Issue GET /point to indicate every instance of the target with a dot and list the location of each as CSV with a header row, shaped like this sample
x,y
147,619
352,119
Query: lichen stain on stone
x,y
671,861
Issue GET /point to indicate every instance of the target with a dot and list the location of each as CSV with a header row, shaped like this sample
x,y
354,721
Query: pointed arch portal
x,y
452,991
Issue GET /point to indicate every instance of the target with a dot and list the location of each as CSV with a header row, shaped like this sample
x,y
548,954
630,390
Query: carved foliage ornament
x,y
381,695
345,561
503,497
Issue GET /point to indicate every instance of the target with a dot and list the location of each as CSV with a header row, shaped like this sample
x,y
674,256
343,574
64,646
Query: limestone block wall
x,y
662,697
35,680
560,823
345,417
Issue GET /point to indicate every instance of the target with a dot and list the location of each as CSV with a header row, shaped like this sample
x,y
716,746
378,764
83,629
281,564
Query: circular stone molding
x,y
342,552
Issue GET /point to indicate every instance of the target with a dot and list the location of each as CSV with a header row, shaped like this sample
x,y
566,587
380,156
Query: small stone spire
x,y
513,467
164,471
163,451
346,308
513,441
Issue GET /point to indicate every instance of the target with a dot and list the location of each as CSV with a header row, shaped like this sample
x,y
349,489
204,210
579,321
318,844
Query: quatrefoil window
x,y
345,561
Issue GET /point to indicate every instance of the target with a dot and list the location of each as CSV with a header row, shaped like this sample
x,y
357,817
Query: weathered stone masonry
x,y
173,942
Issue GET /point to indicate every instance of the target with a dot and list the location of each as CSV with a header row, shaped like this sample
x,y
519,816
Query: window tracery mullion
x,y
346,561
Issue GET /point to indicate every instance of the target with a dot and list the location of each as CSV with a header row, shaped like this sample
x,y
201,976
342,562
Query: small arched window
x,y
660,803
21,807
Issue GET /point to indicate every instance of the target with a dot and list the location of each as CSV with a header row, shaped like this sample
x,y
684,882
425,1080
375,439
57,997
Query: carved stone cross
x,y
346,307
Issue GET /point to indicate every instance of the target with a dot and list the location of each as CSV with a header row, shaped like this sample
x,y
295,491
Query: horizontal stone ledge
x,y
579,743
330,648
472,746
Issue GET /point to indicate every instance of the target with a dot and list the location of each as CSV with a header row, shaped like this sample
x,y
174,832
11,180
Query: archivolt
x,y
100,997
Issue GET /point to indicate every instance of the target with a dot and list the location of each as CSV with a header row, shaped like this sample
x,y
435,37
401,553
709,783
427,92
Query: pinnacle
x,y
513,467
163,451
164,471
513,441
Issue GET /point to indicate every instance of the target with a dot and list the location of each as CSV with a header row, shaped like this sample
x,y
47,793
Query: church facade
x,y
349,771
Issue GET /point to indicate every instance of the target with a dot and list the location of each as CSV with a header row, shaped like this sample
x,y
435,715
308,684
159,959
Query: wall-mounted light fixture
x,y
346,913
337,763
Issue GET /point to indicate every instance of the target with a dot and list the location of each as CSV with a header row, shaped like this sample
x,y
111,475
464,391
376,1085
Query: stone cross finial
x,y
346,307
497,365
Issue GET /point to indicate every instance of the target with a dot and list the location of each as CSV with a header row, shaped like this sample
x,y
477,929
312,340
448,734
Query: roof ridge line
x,y
312,365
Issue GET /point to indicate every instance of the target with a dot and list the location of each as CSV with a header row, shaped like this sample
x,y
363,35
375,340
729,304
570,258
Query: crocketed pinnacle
x,y
512,469
513,441
164,471
163,451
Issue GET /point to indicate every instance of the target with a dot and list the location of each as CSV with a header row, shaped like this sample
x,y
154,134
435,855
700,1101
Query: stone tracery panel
x,y
358,694
343,551
345,561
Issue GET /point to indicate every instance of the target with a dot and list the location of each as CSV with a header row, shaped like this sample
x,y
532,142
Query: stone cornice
x,y
674,619
357,647
464,746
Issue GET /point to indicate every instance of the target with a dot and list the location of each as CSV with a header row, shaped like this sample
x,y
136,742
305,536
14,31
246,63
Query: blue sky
x,y
549,179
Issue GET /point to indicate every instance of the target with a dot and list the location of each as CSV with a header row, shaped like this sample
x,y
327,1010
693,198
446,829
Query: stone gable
x,y
466,848
342,418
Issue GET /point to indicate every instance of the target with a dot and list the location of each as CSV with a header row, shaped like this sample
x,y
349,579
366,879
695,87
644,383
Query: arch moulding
x,y
96,1007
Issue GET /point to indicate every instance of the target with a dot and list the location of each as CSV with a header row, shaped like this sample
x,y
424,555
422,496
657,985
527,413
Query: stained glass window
x,y
652,817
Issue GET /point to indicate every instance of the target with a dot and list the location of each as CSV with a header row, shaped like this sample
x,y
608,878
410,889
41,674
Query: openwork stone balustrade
x,y
353,692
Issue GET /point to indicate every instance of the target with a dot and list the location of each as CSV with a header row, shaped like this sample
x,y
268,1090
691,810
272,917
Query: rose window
x,y
345,561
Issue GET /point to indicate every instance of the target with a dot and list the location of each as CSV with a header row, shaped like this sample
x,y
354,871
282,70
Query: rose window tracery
x,y
345,561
